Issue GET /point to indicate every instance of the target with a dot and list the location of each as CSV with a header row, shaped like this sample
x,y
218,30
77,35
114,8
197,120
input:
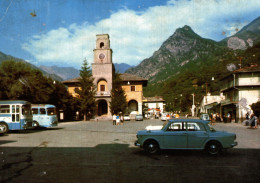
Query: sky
x,y
63,32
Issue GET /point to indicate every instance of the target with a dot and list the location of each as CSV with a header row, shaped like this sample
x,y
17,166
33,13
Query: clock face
x,y
101,56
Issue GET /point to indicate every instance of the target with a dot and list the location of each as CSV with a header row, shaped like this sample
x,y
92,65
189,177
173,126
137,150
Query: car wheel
x,y
3,128
151,147
213,148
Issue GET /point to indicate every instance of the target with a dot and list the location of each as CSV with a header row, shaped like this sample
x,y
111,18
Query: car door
x,y
175,136
197,135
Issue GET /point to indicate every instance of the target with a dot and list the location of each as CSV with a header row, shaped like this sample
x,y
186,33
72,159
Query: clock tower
x,y
102,72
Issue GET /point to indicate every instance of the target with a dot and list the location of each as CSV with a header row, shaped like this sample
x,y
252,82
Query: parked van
x,y
44,115
15,115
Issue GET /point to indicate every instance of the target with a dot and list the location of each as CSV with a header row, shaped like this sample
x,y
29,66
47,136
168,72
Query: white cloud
x,y
135,36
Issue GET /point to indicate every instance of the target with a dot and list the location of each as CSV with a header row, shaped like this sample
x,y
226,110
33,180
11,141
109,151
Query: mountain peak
x,y
186,31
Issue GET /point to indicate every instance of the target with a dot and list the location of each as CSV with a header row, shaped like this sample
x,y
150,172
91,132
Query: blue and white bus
x,y
15,115
44,115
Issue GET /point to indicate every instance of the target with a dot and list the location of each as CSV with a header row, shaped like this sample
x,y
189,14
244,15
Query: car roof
x,y
189,120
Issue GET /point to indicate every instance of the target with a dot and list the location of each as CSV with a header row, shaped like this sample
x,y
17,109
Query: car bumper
x,y
234,144
137,144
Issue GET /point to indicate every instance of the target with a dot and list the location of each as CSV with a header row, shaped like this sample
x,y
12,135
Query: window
x,y
17,109
179,126
102,88
102,45
132,88
195,127
42,111
4,109
35,110
51,111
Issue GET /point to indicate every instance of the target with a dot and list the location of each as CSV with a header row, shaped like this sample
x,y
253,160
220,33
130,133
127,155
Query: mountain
x,y
246,37
187,64
183,50
4,57
65,73
122,67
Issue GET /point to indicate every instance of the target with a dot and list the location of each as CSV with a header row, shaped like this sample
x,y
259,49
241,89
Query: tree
x,y
87,91
118,98
20,81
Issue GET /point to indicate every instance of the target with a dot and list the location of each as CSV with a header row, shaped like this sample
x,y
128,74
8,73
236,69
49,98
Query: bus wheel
x,y
36,124
3,128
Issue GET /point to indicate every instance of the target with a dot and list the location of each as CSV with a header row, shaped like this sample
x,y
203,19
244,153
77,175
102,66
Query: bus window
x,y
26,109
35,110
13,108
42,111
17,109
51,111
4,109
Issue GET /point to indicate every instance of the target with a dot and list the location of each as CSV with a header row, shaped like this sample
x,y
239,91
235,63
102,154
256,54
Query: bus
x,y
15,115
44,115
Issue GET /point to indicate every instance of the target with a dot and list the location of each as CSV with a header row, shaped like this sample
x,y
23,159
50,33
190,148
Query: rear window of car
x,y
191,126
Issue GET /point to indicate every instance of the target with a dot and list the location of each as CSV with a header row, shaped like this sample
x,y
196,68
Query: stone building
x,y
102,72
240,89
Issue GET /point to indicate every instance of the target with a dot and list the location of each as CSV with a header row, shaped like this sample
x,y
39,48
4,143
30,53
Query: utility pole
x,y
240,59
193,106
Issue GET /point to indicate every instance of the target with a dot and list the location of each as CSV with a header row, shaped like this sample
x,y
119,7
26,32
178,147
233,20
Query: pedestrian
x,y
253,121
228,117
218,118
117,120
122,119
114,119
211,118
247,116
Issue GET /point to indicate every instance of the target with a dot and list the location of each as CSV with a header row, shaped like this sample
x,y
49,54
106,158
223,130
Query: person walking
x,y
114,119
117,120
122,119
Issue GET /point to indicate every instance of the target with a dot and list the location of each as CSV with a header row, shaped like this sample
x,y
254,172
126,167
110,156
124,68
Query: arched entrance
x,y
132,106
102,107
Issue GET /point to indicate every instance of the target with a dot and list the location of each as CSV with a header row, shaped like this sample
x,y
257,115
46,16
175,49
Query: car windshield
x,y
211,128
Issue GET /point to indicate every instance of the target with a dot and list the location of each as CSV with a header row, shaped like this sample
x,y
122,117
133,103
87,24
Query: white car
x,y
163,117
126,117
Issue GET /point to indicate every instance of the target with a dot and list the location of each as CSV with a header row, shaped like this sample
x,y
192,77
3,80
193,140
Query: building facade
x,y
211,103
102,72
154,105
241,89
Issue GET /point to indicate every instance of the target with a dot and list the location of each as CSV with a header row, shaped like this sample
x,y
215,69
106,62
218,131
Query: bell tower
x,y
102,72
103,53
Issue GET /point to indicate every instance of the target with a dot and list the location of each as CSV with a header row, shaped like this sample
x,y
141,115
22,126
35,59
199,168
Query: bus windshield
x,y
51,111
26,109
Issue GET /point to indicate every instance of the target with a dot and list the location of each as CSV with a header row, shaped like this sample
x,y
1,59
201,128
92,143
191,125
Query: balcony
x,y
103,94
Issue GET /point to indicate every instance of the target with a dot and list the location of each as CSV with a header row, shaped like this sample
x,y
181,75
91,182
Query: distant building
x,y
154,105
102,72
211,104
241,89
